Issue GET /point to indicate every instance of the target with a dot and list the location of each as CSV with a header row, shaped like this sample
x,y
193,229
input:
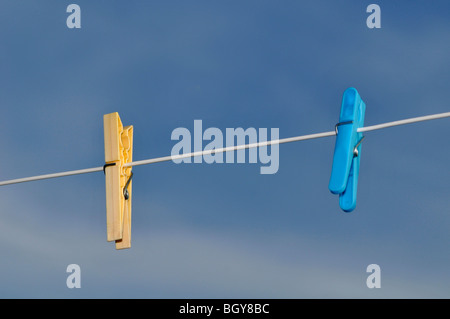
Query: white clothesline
x,y
228,149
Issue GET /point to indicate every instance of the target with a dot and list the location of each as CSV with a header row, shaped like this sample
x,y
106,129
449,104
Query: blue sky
x,y
224,230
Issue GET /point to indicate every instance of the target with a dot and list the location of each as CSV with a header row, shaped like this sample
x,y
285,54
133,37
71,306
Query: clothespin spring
x,y
125,189
339,124
355,150
106,165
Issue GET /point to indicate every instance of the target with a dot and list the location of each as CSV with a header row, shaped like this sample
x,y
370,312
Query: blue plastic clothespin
x,y
347,151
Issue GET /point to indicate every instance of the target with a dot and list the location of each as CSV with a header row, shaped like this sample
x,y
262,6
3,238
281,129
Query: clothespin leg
x,y
125,242
347,199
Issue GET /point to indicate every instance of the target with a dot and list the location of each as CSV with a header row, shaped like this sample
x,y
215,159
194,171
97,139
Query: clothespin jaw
x,y
347,151
118,151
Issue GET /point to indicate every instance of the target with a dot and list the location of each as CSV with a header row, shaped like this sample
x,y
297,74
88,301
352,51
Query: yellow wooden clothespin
x,y
118,151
